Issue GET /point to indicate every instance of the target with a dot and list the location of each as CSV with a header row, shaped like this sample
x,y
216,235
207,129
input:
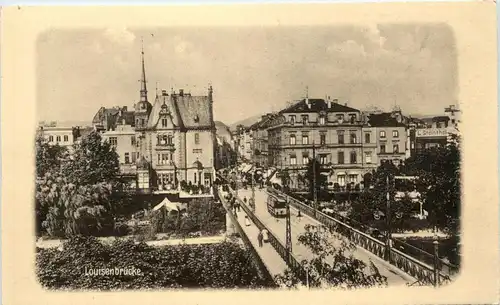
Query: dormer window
x,y
322,120
340,118
292,120
196,119
305,119
164,122
353,118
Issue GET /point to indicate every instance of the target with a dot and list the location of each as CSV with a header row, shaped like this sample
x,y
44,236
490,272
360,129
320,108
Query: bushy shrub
x,y
223,265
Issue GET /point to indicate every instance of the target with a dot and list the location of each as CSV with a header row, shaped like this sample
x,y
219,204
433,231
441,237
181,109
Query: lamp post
x,y
436,258
288,238
315,195
252,200
388,220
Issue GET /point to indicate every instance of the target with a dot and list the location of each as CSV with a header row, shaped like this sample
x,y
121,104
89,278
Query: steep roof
x,y
384,119
316,106
187,111
194,110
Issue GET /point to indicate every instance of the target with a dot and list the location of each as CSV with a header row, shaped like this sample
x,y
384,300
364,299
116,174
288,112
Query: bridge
x,y
398,267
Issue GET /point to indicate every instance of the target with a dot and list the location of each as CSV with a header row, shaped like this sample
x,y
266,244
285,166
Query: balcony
x,y
128,169
194,190
167,188
165,146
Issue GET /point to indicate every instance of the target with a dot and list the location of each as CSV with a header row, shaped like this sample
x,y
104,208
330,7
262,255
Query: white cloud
x,y
375,36
348,48
119,35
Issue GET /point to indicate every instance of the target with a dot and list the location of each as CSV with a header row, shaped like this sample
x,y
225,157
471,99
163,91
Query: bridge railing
x,y
259,264
291,261
419,270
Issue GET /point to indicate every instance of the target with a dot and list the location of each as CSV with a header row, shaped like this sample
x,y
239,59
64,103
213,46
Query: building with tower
x,y
171,143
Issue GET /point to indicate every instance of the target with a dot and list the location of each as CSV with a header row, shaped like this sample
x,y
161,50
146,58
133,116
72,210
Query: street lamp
x,y
288,237
252,200
388,220
436,258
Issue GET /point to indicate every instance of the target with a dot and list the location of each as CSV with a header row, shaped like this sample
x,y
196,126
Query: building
x,y
64,136
244,143
168,146
388,130
259,140
329,130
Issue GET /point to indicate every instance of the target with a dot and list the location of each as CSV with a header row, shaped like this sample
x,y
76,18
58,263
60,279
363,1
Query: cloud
x,y
119,35
96,47
348,48
181,46
373,33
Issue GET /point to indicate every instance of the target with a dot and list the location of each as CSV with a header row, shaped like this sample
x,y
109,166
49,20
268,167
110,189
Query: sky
x,y
253,70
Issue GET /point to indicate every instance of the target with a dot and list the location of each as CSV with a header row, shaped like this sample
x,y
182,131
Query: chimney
x,y
329,103
125,108
164,93
181,92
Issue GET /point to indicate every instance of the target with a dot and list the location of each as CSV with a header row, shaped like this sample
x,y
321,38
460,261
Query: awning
x,y
247,168
275,179
170,206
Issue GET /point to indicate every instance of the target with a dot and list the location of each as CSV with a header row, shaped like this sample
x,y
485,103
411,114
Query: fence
x,y
259,264
419,270
289,258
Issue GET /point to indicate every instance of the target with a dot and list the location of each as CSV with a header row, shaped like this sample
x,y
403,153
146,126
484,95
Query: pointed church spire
x,y
144,90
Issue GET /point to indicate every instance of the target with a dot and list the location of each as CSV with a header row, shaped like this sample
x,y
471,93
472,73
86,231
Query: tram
x,y
276,205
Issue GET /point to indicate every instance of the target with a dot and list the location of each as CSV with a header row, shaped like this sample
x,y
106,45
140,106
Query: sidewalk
x,y
54,243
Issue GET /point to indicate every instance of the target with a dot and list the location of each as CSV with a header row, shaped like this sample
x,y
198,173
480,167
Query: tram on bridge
x,y
276,205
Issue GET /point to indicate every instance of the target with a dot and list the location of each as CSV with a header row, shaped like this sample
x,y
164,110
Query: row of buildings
x,y
348,142
164,147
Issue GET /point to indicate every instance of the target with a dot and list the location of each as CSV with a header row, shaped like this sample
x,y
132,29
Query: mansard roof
x,y
385,119
316,106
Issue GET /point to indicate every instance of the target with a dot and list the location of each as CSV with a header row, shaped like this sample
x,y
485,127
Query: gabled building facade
x,y
170,144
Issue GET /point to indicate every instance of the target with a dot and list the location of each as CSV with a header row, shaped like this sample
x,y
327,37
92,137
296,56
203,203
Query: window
x,y
412,145
340,156
340,118
113,141
395,148
353,178
323,159
163,122
292,139
197,151
132,140
66,138
51,138
142,122
58,139
367,138
305,119
164,158
322,139
134,157
341,180
292,119
353,118
382,134
127,158
368,157
194,174
353,138
305,159
341,138
196,138
293,160
382,149
395,134
305,139
322,120
353,157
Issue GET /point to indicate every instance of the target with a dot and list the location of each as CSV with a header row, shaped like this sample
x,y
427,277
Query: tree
x,y
332,265
48,157
438,170
93,161
314,169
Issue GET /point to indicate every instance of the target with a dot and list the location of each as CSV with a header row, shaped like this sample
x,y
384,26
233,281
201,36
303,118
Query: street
x,y
277,227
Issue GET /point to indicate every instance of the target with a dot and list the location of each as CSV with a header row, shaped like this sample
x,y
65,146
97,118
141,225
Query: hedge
x,y
223,265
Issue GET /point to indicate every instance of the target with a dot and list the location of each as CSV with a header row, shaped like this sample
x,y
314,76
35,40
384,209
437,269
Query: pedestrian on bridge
x,y
245,199
260,238
247,221
237,206
265,235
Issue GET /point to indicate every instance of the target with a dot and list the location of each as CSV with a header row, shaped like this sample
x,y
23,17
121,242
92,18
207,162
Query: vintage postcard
x,y
213,153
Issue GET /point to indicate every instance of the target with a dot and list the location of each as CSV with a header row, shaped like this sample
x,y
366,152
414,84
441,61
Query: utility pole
x,y
252,200
388,220
288,238
315,195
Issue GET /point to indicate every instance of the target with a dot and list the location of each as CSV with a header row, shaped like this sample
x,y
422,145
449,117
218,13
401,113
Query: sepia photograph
x,y
250,157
